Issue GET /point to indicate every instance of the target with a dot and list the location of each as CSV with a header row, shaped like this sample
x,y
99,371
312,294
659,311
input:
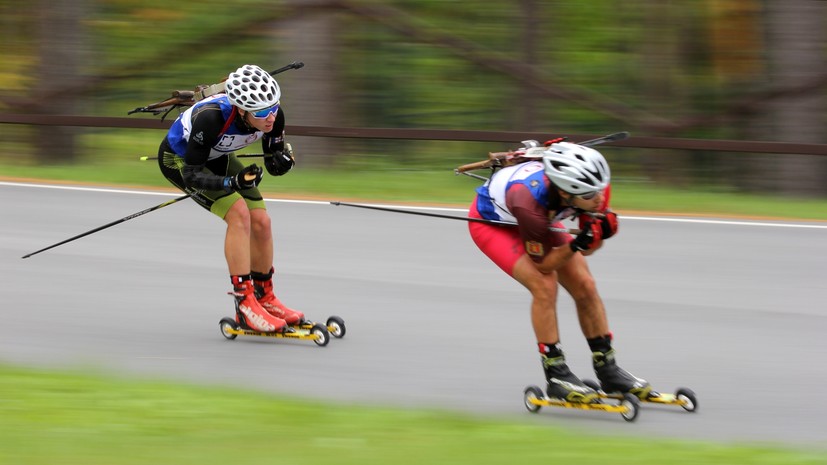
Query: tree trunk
x,y
796,38
62,49
661,66
312,95
528,100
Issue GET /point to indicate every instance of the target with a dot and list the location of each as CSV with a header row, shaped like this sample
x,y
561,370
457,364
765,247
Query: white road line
x,y
780,224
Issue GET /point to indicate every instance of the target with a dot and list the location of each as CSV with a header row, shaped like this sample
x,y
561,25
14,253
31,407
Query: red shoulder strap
x,y
233,114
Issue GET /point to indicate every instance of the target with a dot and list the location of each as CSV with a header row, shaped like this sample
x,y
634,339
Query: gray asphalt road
x,y
733,310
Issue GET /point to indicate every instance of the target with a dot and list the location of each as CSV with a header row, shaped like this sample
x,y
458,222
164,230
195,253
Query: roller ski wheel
x,y
231,329
322,335
534,398
632,404
335,326
683,397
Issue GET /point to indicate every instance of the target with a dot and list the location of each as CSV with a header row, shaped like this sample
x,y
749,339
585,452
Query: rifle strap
x,y
206,91
230,120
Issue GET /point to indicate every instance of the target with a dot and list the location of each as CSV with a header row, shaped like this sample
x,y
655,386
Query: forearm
x,y
195,177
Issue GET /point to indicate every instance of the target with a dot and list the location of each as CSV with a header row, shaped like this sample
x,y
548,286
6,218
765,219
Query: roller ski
x,y
683,397
615,383
307,330
259,313
319,333
566,390
628,407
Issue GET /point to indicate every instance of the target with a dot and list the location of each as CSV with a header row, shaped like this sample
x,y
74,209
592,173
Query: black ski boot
x,y
614,379
563,384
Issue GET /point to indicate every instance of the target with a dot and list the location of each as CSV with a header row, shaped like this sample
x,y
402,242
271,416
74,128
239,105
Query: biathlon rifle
x,y
531,150
187,98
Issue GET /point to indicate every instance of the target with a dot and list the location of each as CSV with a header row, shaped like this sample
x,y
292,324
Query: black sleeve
x,y
207,123
273,141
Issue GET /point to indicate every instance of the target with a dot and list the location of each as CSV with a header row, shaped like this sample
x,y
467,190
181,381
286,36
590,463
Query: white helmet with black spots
x,y
251,88
576,169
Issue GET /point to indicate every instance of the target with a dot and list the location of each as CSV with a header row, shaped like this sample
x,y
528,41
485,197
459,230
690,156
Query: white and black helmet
x,y
576,169
251,88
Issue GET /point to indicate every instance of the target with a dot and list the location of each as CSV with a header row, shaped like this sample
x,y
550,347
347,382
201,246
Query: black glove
x,y
608,224
247,178
280,162
589,237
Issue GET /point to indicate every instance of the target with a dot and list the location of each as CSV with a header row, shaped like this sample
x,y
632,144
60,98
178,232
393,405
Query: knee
x,y
544,291
260,222
238,217
584,290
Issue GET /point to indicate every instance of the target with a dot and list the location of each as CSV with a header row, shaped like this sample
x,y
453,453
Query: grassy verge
x,y
65,417
436,187
112,158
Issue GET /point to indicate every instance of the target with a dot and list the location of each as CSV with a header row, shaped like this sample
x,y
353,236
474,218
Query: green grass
x,y
72,418
437,187
112,158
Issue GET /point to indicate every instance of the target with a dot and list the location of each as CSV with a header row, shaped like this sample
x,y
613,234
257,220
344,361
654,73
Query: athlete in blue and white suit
x,y
197,156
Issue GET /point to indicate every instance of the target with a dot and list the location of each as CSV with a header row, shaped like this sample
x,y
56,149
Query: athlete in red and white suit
x,y
570,181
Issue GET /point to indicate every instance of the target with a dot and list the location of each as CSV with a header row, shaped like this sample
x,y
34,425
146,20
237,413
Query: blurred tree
x,y
736,39
661,86
527,114
729,69
312,95
63,48
796,55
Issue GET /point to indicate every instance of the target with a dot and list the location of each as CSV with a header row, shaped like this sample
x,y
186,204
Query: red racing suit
x,y
522,194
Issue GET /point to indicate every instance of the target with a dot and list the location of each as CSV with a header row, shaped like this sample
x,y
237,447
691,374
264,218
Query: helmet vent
x,y
252,89
576,169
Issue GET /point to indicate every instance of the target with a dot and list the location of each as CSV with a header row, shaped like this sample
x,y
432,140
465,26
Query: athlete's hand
x,y
607,221
247,178
589,237
608,224
280,162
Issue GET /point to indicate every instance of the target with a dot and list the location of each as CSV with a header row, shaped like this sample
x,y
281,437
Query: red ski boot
x,y
250,312
271,303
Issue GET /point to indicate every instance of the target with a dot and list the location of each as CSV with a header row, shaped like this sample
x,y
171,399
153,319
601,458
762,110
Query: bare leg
x,y
543,288
578,281
261,241
562,383
237,239
261,248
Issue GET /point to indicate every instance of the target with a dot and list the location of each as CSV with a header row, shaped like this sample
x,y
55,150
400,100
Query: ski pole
x,y
242,155
450,217
108,225
294,65
605,139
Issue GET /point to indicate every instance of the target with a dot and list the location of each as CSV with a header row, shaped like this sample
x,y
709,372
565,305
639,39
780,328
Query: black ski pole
x,y
450,217
294,65
238,155
100,228
605,139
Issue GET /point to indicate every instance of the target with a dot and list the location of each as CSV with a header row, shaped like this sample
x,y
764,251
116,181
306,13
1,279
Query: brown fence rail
x,y
440,134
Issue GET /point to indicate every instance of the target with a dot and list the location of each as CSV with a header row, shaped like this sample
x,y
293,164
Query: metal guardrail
x,y
439,134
